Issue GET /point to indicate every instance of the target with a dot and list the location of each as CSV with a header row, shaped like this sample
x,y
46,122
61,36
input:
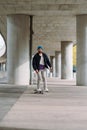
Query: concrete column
x,y
82,50
18,49
52,59
1,66
66,60
54,66
58,64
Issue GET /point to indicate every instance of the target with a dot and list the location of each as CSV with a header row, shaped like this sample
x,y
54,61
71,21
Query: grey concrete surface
x,y
81,50
63,108
18,49
66,59
8,96
58,64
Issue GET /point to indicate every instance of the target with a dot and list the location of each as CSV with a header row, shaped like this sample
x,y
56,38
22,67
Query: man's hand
x,y
37,71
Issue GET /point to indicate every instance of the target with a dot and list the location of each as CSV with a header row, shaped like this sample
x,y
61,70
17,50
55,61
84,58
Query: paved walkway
x,y
63,108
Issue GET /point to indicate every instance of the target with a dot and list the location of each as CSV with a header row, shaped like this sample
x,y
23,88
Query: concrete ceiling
x,y
43,7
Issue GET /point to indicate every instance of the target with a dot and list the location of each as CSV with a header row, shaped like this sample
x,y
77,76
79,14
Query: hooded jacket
x,y
36,61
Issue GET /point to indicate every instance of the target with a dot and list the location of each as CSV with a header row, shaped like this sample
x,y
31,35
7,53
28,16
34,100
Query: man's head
x,y
40,49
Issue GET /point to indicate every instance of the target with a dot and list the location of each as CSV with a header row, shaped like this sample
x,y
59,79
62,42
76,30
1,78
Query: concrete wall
x,y
50,31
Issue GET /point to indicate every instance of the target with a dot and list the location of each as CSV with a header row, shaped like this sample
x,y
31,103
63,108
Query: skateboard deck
x,y
38,92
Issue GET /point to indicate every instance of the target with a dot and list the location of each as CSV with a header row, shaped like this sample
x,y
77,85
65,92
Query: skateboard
x,y
38,92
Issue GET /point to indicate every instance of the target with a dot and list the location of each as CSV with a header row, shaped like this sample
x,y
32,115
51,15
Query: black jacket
x,y
36,61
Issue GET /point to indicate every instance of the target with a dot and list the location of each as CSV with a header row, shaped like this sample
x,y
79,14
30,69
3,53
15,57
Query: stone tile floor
x,y
9,95
63,108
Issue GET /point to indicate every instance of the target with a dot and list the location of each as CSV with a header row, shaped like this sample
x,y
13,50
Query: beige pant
x,y
41,75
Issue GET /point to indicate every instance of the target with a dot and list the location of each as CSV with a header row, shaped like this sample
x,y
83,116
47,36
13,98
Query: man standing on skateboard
x,y
40,63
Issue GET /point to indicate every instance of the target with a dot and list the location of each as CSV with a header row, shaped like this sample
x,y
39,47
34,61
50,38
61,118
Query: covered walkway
x,y
63,108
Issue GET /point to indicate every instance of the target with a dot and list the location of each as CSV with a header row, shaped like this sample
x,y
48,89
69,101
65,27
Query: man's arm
x,y
34,63
48,61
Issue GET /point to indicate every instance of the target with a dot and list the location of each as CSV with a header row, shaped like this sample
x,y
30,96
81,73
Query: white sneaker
x,y
46,90
39,90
